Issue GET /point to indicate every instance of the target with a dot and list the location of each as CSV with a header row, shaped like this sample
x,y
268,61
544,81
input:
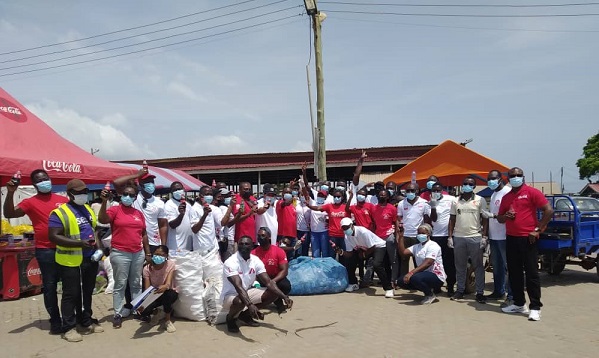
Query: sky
x,y
524,89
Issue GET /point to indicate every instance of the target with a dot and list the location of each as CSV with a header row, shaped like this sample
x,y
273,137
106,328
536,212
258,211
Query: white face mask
x,y
80,199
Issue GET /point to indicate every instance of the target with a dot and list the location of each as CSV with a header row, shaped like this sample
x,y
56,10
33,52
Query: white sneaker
x,y
535,315
352,287
429,299
515,309
170,327
94,328
72,336
389,294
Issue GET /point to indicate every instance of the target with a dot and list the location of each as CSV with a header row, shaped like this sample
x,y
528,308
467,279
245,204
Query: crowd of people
x,y
375,229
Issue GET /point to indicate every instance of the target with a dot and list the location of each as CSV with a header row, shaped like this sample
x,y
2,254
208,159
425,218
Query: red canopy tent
x,y
28,143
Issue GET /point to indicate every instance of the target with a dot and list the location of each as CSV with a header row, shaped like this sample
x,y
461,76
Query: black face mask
x,y
246,194
245,250
263,241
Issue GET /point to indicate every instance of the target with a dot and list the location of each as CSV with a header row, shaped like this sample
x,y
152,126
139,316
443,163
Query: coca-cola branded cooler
x,y
19,272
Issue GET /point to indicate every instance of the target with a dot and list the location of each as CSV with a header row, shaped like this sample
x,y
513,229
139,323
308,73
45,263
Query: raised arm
x,y
121,182
358,170
10,210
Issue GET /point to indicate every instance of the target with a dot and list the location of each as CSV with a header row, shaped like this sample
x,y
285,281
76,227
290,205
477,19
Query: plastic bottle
x,y
107,186
97,256
413,177
144,164
16,178
213,183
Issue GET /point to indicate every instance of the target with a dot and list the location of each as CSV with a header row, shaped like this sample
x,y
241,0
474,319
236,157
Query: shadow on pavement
x,y
42,326
569,278
223,328
143,331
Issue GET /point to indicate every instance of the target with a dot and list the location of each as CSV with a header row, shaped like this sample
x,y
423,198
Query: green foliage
x,y
588,166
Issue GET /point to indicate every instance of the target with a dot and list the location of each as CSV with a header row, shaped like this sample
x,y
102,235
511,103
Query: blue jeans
x,y
306,244
49,269
126,266
320,244
425,282
499,262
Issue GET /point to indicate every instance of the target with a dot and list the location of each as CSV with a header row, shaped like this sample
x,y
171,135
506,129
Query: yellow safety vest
x,y
71,256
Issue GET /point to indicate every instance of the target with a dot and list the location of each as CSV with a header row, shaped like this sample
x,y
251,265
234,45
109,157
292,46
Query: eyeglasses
x,y
515,175
131,195
469,184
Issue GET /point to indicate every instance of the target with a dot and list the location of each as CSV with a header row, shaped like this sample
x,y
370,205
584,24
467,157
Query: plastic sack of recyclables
x,y
190,286
316,276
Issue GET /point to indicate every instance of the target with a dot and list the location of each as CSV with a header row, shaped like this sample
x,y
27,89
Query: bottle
x,y
97,256
413,177
144,164
16,178
107,186
213,183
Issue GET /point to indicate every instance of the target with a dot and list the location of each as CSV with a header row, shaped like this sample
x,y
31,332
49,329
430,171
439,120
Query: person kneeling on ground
x,y
429,274
239,273
159,274
275,262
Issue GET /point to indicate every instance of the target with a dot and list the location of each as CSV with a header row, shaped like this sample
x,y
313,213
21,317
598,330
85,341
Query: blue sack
x,y
316,276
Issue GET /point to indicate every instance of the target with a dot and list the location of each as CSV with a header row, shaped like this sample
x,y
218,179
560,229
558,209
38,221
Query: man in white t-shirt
x,y
267,213
153,210
497,236
238,296
440,207
412,212
468,236
180,218
359,241
205,230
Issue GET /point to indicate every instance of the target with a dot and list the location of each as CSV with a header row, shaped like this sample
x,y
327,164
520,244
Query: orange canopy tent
x,y
450,162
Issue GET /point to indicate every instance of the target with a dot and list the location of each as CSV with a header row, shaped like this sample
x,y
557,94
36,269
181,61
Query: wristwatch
x,y
537,229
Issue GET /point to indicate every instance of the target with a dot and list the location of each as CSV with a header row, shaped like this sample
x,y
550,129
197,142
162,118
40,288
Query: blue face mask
x,y
493,184
360,198
158,260
337,200
421,238
430,183
126,200
410,196
287,196
342,188
44,186
324,187
227,201
348,231
302,199
516,182
149,188
208,199
178,194
467,188
319,200
294,193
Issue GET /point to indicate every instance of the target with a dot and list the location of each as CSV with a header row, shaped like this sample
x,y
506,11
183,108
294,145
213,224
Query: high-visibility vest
x,y
71,256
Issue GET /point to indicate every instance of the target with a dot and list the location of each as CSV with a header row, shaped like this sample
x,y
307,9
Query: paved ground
x,y
363,323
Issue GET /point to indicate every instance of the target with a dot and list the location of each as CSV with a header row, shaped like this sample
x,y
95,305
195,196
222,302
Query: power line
x,y
455,15
143,42
142,34
130,28
151,48
459,5
458,27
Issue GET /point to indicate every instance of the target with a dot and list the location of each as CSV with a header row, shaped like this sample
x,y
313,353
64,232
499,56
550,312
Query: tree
x,y
588,166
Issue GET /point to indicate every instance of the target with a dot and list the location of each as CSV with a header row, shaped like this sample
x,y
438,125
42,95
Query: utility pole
x,y
317,19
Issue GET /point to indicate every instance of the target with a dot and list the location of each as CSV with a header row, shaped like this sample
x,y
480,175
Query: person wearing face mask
x,y
179,216
226,203
430,182
518,210
129,247
360,241
318,224
384,216
412,212
160,274
151,206
394,194
266,216
468,236
302,215
38,209
361,210
429,275
71,228
336,212
497,238
238,297
440,205
287,223
245,212
275,260
206,223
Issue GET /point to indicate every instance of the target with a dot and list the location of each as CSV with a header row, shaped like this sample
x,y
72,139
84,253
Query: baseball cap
x,y
268,189
346,222
224,191
147,176
323,193
76,184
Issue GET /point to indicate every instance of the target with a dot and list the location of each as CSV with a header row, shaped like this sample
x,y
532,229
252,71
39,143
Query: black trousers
x,y
380,257
522,257
77,287
166,301
448,261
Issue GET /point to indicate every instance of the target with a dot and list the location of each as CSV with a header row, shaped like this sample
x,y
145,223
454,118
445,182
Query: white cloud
x,y
229,144
185,91
301,146
115,120
89,133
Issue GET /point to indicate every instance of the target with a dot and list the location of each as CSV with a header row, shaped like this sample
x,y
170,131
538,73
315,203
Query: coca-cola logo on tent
x,y
34,274
11,111
62,167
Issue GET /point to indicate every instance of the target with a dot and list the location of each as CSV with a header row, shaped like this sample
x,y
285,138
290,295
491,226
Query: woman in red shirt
x,y
336,212
129,242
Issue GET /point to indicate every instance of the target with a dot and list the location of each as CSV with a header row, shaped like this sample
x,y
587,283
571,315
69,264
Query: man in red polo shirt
x,y
275,262
245,212
287,220
518,210
38,208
